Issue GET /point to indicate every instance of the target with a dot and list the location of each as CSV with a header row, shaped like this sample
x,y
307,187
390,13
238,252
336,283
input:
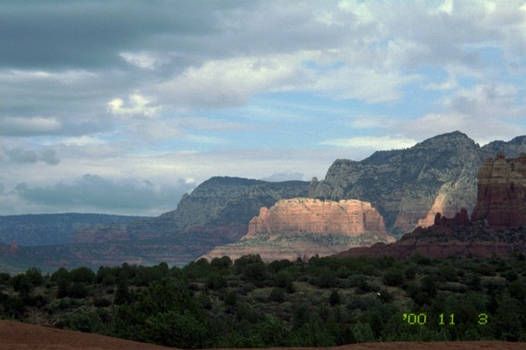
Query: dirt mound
x,y
21,336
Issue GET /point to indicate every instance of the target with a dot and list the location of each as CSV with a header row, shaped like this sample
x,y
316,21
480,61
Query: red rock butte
x,y
348,217
501,192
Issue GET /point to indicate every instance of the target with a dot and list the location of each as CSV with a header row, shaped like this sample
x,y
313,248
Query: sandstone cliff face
x,y
346,217
497,226
408,187
502,192
304,227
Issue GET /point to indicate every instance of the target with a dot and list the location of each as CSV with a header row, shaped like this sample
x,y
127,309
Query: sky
x,y
123,106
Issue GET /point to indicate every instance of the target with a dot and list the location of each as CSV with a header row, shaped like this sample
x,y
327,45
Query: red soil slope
x,y
21,336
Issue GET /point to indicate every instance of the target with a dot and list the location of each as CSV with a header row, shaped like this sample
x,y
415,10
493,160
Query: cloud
x,y
67,76
19,126
373,142
138,105
93,192
230,82
19,155
487,100
82,141
142,60
367,85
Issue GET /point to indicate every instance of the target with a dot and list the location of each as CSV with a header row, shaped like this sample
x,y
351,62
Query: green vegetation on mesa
x,y
320,302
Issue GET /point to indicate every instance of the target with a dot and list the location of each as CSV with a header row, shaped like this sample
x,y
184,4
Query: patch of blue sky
x,y
490,55
323,67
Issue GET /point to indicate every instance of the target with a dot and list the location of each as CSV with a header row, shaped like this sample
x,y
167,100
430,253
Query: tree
x,y
362,332
178,330
326,278
221,263
277,295
21,285
34,277
78,290
231,299
122,295
82,275
393,277
215,281
334,298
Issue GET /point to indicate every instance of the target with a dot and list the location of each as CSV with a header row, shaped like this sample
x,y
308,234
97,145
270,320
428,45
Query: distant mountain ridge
x,y
219,206
407,187
49,229
410,186
497,226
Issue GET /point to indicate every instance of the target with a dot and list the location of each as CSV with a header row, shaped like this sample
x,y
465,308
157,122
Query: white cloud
x,y
67,76
82,140
138,105
231,82
227,82
448,84
157,130
143,60
373,142
367,85
487,101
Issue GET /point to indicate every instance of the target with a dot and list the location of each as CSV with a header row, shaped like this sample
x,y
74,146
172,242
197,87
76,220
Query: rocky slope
x,y
304,227
409,186
48,229
497,226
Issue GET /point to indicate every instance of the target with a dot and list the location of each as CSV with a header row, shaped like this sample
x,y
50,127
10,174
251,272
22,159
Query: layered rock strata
x,y
497,226
409,186
346,217
502,192
304,227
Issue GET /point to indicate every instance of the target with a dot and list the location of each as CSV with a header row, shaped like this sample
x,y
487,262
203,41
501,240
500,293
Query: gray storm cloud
x,y
20,155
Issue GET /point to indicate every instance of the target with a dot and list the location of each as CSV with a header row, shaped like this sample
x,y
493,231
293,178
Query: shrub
x,y
231,298
221,263
178,330
84,321
215,281
518,290
78,290
362,332
277,295
21,284
449,273
60,275
325,278
34,277
334,298
101,302
393,277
